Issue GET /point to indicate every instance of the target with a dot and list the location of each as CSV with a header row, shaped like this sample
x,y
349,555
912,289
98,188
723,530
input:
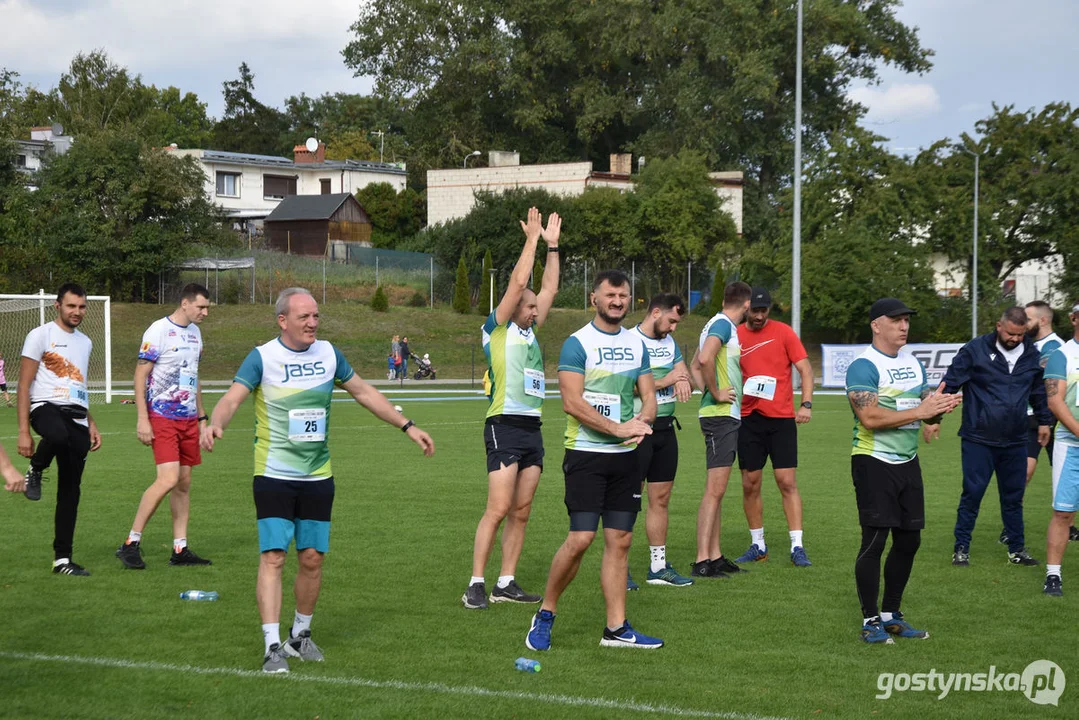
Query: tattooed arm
x,y
1055,390
874,417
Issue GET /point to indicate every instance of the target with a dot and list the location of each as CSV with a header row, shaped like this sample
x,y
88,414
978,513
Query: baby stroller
x,y
424,368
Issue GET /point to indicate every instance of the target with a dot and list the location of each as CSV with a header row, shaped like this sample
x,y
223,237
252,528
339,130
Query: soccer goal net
x,y
19,314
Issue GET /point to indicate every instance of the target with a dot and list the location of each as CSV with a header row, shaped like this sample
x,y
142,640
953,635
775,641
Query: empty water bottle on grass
x,y
526,665
198,595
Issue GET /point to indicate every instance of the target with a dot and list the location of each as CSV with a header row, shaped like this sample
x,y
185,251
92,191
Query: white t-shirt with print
x,y
64,359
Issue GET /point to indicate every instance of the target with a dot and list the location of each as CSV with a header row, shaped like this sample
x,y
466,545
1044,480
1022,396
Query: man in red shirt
x,y
769,422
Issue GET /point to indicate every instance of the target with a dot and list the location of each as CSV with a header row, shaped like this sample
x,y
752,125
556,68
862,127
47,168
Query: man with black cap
x,y
769,421
891,399
999,373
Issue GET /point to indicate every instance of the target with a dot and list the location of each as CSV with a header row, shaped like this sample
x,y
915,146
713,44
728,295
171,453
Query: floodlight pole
x,y
974,260
796,257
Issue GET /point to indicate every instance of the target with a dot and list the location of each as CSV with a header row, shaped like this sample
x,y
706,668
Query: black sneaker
x,y
186,557
723,564
1073,534
705,569
513,593
475,597
1003,539
1021,557
1053,586
130,555
961,556
33,484
69,568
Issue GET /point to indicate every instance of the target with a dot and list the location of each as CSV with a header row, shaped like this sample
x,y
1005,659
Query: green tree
x,y
379,200
680,217
379,303
113,213
719,282
582,80
864,212
462,296
249,126
1028,191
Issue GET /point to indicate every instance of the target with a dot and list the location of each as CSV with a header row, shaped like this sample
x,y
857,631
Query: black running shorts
x,y
888,495
762,437
720,440
1033,448
658,453
509,442
601,483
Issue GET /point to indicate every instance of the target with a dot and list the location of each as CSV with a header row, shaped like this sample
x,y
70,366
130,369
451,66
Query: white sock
x,y
134,537
885,616
758,537
475,579
178,544
796,539
299,624
61,561
504,581
866,621
271,634
1052,570
658,555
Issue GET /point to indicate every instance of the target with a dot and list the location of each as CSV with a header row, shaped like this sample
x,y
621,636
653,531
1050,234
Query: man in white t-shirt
x,y
53,399
168,397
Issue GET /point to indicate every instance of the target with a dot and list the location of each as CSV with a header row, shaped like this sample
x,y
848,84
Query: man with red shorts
x,y
769,421
169,402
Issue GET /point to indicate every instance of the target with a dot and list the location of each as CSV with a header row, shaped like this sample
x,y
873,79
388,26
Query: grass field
x,y
777,641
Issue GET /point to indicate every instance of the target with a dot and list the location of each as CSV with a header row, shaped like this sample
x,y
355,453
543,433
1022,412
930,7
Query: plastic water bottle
x,y
526,665
198,595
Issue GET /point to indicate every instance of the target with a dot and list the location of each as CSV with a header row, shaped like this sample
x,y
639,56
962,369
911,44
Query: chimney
x,y
300,154
621,164
503,158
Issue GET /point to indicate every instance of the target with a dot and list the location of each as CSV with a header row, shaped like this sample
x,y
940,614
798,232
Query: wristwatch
x,y
807,405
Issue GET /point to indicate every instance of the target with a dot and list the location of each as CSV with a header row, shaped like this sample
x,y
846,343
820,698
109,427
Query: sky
x,y
1004,51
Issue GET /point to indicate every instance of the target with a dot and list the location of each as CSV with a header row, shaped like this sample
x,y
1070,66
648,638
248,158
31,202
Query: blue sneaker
x,y
900,627
630,585
872,632
668,576
626,636
753,554
539,637
798,557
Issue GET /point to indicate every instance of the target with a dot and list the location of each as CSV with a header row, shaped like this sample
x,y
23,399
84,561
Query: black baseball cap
x,y
889,307
760,298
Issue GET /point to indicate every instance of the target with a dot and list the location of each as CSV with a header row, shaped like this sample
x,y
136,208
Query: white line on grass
x,y
467,690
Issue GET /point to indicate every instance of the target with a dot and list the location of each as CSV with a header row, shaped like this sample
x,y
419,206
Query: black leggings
x,y
896,568
68,442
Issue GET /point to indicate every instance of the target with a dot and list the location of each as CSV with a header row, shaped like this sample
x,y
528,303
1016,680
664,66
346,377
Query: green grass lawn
x,y
776,641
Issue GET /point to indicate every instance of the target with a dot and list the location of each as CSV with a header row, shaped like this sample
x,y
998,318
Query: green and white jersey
x,y
293,392
611,364
1064,365
516,369
1046,346
663,355
728,368
898,382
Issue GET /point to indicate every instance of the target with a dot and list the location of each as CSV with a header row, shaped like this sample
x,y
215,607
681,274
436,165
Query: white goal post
x,y
19,314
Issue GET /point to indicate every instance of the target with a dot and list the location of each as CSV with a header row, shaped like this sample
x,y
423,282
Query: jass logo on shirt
x,y
614,354
303,370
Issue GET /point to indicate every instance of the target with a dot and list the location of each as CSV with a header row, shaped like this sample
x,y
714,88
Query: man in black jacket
x,y
998,374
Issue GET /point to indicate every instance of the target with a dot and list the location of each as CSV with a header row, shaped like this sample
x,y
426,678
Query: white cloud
x,y
194,44
900,101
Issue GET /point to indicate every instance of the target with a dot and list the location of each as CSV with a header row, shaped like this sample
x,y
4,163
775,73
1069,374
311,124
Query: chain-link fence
x,y
347,272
